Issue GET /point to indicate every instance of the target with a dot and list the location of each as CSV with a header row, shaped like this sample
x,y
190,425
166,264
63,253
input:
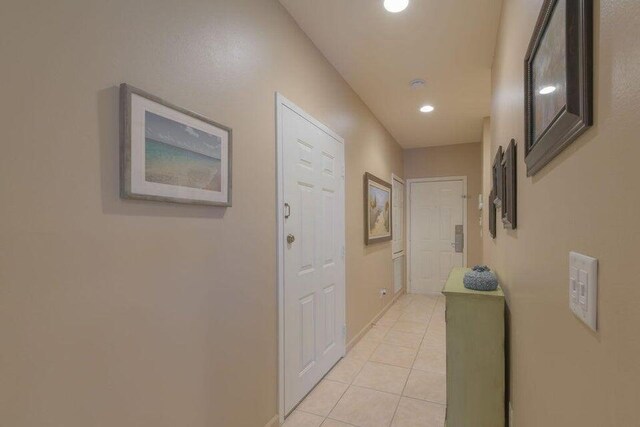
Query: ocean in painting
x,y
176,154
379,212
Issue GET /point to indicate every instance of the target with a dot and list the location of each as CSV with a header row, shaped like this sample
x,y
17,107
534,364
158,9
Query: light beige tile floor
x,y
395,375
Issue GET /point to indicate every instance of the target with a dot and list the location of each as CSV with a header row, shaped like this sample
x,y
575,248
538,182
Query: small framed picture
x,y
377,209
168,153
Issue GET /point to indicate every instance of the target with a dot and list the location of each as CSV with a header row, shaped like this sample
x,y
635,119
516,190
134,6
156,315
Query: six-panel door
x,y
314,260
436,208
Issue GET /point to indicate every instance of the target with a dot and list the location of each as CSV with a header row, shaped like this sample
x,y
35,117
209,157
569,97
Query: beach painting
x,y
377,209
177,154
171,154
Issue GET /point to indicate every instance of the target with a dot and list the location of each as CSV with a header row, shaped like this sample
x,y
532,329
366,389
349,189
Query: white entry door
x,y
313,231
397,208
436,208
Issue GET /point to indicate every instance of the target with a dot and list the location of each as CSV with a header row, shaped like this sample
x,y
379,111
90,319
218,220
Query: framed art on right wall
x,y
558,80
496,179
510,187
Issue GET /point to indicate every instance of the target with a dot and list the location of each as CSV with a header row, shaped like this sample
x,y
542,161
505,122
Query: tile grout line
x,y
324,378
368,360
395,410
335,404
421,341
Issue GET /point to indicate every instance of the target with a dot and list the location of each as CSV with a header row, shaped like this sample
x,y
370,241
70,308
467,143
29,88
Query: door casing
x,y
407,190
283,102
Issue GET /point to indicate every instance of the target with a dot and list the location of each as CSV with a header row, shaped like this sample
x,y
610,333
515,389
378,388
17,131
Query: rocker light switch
x,y
573,288
583,287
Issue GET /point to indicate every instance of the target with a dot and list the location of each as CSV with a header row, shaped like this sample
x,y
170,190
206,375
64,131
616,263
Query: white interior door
x,y
397,244
313,252
436,207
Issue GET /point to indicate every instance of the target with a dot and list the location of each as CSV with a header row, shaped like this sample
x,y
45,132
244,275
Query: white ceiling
x,y
448,43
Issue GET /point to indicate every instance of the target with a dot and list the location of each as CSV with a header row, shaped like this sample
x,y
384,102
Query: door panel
x,y
436,208
398,274
313,187
398,217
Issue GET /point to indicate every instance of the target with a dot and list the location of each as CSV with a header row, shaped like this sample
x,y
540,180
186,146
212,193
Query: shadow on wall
x,y
112,204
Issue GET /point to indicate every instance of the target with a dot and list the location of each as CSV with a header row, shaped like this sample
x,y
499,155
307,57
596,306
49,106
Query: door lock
x,y
291,238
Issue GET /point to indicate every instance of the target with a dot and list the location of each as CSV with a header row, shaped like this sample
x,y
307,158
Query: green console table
x,y
475,355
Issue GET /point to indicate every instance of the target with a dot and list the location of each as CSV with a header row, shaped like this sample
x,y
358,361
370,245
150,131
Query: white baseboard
x,y
273,422
377,317
433,294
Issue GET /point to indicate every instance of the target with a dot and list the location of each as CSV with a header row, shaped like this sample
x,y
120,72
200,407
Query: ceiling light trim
x,y
395,6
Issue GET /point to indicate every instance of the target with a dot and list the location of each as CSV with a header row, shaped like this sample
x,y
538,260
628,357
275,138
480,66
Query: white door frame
x,y
407,191
395,177
282,102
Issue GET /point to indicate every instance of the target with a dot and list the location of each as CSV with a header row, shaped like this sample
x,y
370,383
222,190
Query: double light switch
x,y
583,287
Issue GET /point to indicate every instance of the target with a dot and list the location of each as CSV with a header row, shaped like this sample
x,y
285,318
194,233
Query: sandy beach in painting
x,y
166,164
378,212
180,155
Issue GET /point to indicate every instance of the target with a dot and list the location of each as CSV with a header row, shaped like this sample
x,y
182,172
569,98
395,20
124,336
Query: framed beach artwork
x,y
558,80
377,209
168,153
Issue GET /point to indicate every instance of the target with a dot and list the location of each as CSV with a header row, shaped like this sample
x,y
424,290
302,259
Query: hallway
x,y
395,375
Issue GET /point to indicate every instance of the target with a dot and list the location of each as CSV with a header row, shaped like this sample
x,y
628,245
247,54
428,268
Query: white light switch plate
x,y
583,288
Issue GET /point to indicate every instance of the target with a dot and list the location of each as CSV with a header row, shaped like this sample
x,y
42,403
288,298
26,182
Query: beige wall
x,y
586,200
487,164
453,160
126,313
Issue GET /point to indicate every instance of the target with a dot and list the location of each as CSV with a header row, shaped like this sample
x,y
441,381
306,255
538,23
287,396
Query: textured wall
x,y
587,200
128,313
453,160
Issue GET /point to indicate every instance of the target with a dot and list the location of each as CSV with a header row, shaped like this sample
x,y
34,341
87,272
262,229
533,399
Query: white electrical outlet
x,y
583,288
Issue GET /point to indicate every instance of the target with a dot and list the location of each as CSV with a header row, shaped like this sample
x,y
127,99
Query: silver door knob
x,y
291,238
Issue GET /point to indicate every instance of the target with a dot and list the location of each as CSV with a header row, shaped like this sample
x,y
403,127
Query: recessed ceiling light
x,y
547,90
395,6
427,108
417,84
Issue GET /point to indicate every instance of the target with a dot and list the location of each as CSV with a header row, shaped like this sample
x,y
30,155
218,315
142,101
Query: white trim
x,y
274,422
282,102
397,178
356,339
407,192
395,255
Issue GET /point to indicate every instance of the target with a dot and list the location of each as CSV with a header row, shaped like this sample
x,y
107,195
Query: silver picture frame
x,y
171,154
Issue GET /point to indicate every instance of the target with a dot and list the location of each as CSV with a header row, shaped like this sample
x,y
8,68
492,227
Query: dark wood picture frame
x,y
510,184
492,215
496,175
577,114
381,183
126,191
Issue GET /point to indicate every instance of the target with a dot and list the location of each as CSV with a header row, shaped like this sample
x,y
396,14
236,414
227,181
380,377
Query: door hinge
x,y
342,252
344,331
